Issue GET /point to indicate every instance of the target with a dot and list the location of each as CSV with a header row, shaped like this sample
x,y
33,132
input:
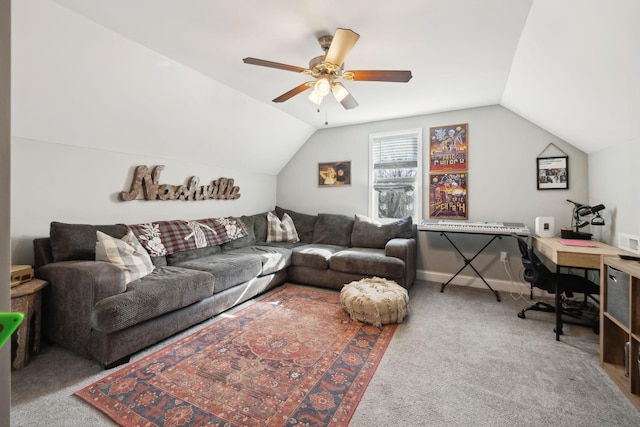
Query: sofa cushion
x,y
164,290
315,255
369,233
126,253
371,262
159,261
228,269
78,241
192,254
304,223
273,258
260,227
281,230
333,229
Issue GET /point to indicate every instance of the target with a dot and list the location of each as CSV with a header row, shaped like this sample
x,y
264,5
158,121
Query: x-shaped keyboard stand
x,y
468,261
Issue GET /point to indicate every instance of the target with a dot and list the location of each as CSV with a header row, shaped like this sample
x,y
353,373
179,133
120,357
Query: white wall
x,y
613,181
77,83
89,105
55,182
503,148
5,188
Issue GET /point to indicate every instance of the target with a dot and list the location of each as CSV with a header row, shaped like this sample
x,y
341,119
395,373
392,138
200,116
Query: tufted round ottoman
x,y
375,300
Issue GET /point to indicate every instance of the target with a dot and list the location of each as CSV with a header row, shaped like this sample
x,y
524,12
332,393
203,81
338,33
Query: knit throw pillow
x,y
126,253
281,231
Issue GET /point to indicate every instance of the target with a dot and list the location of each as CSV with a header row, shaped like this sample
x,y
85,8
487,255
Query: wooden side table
x,y
26,298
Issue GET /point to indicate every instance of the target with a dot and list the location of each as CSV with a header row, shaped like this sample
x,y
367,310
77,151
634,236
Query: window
x,y
395,168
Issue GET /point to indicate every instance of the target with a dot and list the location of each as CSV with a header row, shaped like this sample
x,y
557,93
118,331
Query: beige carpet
x,y
459,359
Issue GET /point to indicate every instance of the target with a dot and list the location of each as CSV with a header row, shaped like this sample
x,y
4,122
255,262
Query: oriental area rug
x,y
292,358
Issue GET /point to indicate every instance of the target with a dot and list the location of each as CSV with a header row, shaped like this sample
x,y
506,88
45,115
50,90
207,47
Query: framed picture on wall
x,y
449,147
448,196
334,174
553,173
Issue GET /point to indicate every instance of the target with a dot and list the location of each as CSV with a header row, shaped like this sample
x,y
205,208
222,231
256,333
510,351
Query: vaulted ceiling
x,y
570,66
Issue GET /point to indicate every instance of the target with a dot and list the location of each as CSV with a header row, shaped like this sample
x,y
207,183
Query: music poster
x,y
448,148
448,195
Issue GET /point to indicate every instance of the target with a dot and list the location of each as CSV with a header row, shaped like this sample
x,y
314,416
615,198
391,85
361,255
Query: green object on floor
x,y
9,322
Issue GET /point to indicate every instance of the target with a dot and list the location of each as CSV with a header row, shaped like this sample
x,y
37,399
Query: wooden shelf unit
x,y
620,323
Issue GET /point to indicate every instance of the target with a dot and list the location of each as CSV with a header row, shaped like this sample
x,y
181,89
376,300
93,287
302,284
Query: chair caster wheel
x,y
521,315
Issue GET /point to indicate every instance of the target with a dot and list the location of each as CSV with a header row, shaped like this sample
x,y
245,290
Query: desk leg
x,y
558,298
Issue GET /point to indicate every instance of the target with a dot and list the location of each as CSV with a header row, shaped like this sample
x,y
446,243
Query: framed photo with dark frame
x,y
334,174
553,173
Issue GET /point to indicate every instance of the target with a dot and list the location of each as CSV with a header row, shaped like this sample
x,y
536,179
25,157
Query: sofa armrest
x,y
74,287
406,250
42,251
401,248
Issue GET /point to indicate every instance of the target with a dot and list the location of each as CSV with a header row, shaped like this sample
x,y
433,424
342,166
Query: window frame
x,y
373,199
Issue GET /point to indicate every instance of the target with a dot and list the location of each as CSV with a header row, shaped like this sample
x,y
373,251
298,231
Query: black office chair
x,y
539,276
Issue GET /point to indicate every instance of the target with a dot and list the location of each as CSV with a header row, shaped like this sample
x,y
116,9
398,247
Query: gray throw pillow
x,y
333,229
78,241
369,233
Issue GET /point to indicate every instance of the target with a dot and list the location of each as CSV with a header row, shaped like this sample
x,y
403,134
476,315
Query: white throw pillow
x,y
281,231
126,253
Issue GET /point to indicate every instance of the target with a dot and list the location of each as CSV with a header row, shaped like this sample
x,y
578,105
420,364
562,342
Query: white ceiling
x,y
568,66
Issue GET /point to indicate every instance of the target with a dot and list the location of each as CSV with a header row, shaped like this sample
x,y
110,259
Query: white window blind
x,y
395,152
395,171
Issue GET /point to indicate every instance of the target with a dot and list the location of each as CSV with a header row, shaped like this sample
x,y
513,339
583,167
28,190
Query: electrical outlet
x,y
504,256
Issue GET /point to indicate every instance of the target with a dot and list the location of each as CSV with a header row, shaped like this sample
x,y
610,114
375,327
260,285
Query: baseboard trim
x,y
475,282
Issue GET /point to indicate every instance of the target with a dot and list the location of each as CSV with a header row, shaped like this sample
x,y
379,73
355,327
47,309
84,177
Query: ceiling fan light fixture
x,y
339,92
343,96
315,98
322,87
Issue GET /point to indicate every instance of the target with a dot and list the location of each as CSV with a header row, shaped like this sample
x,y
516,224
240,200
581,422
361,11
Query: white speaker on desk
x,y
545,226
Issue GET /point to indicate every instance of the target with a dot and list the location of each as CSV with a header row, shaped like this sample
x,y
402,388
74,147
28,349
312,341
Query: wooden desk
x,y
589,258
574,256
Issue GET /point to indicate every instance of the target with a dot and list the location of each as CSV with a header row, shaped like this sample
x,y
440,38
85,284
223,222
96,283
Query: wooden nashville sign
x,y
146,181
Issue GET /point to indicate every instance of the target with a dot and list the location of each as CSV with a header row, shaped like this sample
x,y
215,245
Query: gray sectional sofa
x,y
89,308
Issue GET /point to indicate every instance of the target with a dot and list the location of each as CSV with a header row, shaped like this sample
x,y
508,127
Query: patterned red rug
x,y
293,358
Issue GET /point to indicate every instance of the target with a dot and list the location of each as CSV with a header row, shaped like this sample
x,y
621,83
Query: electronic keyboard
x,y
474,227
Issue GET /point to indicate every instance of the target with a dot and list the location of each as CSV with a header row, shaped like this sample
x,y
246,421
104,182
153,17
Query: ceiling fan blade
x,y
381,75
270,64
343,96
342,43
293,92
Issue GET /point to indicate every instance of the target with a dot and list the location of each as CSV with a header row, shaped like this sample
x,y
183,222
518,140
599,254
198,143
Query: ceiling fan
x,y
328,68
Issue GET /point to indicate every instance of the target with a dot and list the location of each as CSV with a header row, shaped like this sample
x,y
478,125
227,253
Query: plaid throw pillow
x,y
126,253
281,231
